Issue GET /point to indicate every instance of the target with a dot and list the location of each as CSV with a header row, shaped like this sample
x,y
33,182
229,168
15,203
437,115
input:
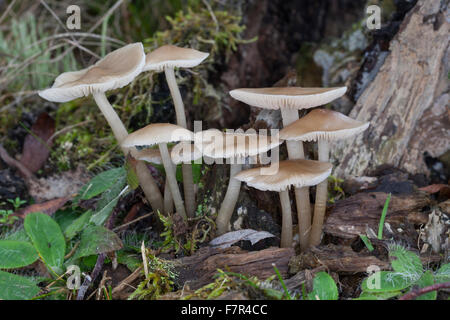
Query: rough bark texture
x,y
355,215
199,269
407,102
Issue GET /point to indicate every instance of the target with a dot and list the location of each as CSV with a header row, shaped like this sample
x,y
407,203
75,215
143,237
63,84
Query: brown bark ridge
x,y
407,102
199,269
355,215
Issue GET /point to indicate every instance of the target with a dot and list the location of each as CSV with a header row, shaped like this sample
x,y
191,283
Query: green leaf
x,y
96,240
47,238
385,281
66,217
108,201
367,242
324,287
100,184
77,225
443,274
405,262
132,178
16,254
425,281
132,261
378,296
383,217
14,287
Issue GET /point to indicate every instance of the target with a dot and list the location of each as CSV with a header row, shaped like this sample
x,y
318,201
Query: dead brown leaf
x,y
48,207
36,147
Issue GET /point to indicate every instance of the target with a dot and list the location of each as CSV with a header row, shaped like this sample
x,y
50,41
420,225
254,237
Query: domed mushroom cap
x,y
170,56
287,97
151,155
297,173
217,144
115,70
185,153
323,124
157,133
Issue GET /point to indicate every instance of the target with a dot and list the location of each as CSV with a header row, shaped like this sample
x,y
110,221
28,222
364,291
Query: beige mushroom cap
x,y
170,56
115,70
218,145
297,173
323,124
157,133
185,153
287,97
151,155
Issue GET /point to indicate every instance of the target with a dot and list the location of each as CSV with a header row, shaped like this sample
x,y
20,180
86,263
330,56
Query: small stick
x,y
418,292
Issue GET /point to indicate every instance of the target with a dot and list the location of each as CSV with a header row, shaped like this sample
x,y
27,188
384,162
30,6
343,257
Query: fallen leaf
x,y
36,147
228,239
48,207
434,188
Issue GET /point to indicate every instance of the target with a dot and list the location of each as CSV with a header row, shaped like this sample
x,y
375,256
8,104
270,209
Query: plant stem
x,y
188,181
146,180
286,225
295,151
168,200
171,178
321,198
418,292
229,202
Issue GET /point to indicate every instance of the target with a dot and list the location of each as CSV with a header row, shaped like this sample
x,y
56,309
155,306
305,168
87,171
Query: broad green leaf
x,y
18,235
324,287
77,225
14,287
100,183
385,281
378,296
108,201
96,240
425,281
443,274
16,254
131,260
405,262
66,216
47,238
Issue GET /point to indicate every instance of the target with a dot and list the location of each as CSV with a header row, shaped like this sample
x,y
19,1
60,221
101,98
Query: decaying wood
x,y
335,258
353,216
199,269
407,102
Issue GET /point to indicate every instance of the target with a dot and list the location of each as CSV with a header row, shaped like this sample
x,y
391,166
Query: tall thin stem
x,y
188,181
229,202
168,200
146,180
171,178
321,198
295,151
286,224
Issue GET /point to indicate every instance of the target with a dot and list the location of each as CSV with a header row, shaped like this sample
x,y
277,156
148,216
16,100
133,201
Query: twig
x,y
7,11
88,280
67,129
132,221
418,292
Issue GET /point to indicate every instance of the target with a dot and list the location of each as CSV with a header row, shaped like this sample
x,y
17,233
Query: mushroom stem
x,y
295,151
188,180
146,180
321,198
229,202
168,200
286,225
171,178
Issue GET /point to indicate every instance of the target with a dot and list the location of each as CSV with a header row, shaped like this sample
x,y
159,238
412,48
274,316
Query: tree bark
x,y
407,101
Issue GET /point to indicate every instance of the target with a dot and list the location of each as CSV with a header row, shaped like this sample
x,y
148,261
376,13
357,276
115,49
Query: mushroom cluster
x,y
120,67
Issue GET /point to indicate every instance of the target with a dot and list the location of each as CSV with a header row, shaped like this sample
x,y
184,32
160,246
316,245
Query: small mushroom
x,y
234,147
115,70
161,134
297,173
289,100
166,58
322,125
